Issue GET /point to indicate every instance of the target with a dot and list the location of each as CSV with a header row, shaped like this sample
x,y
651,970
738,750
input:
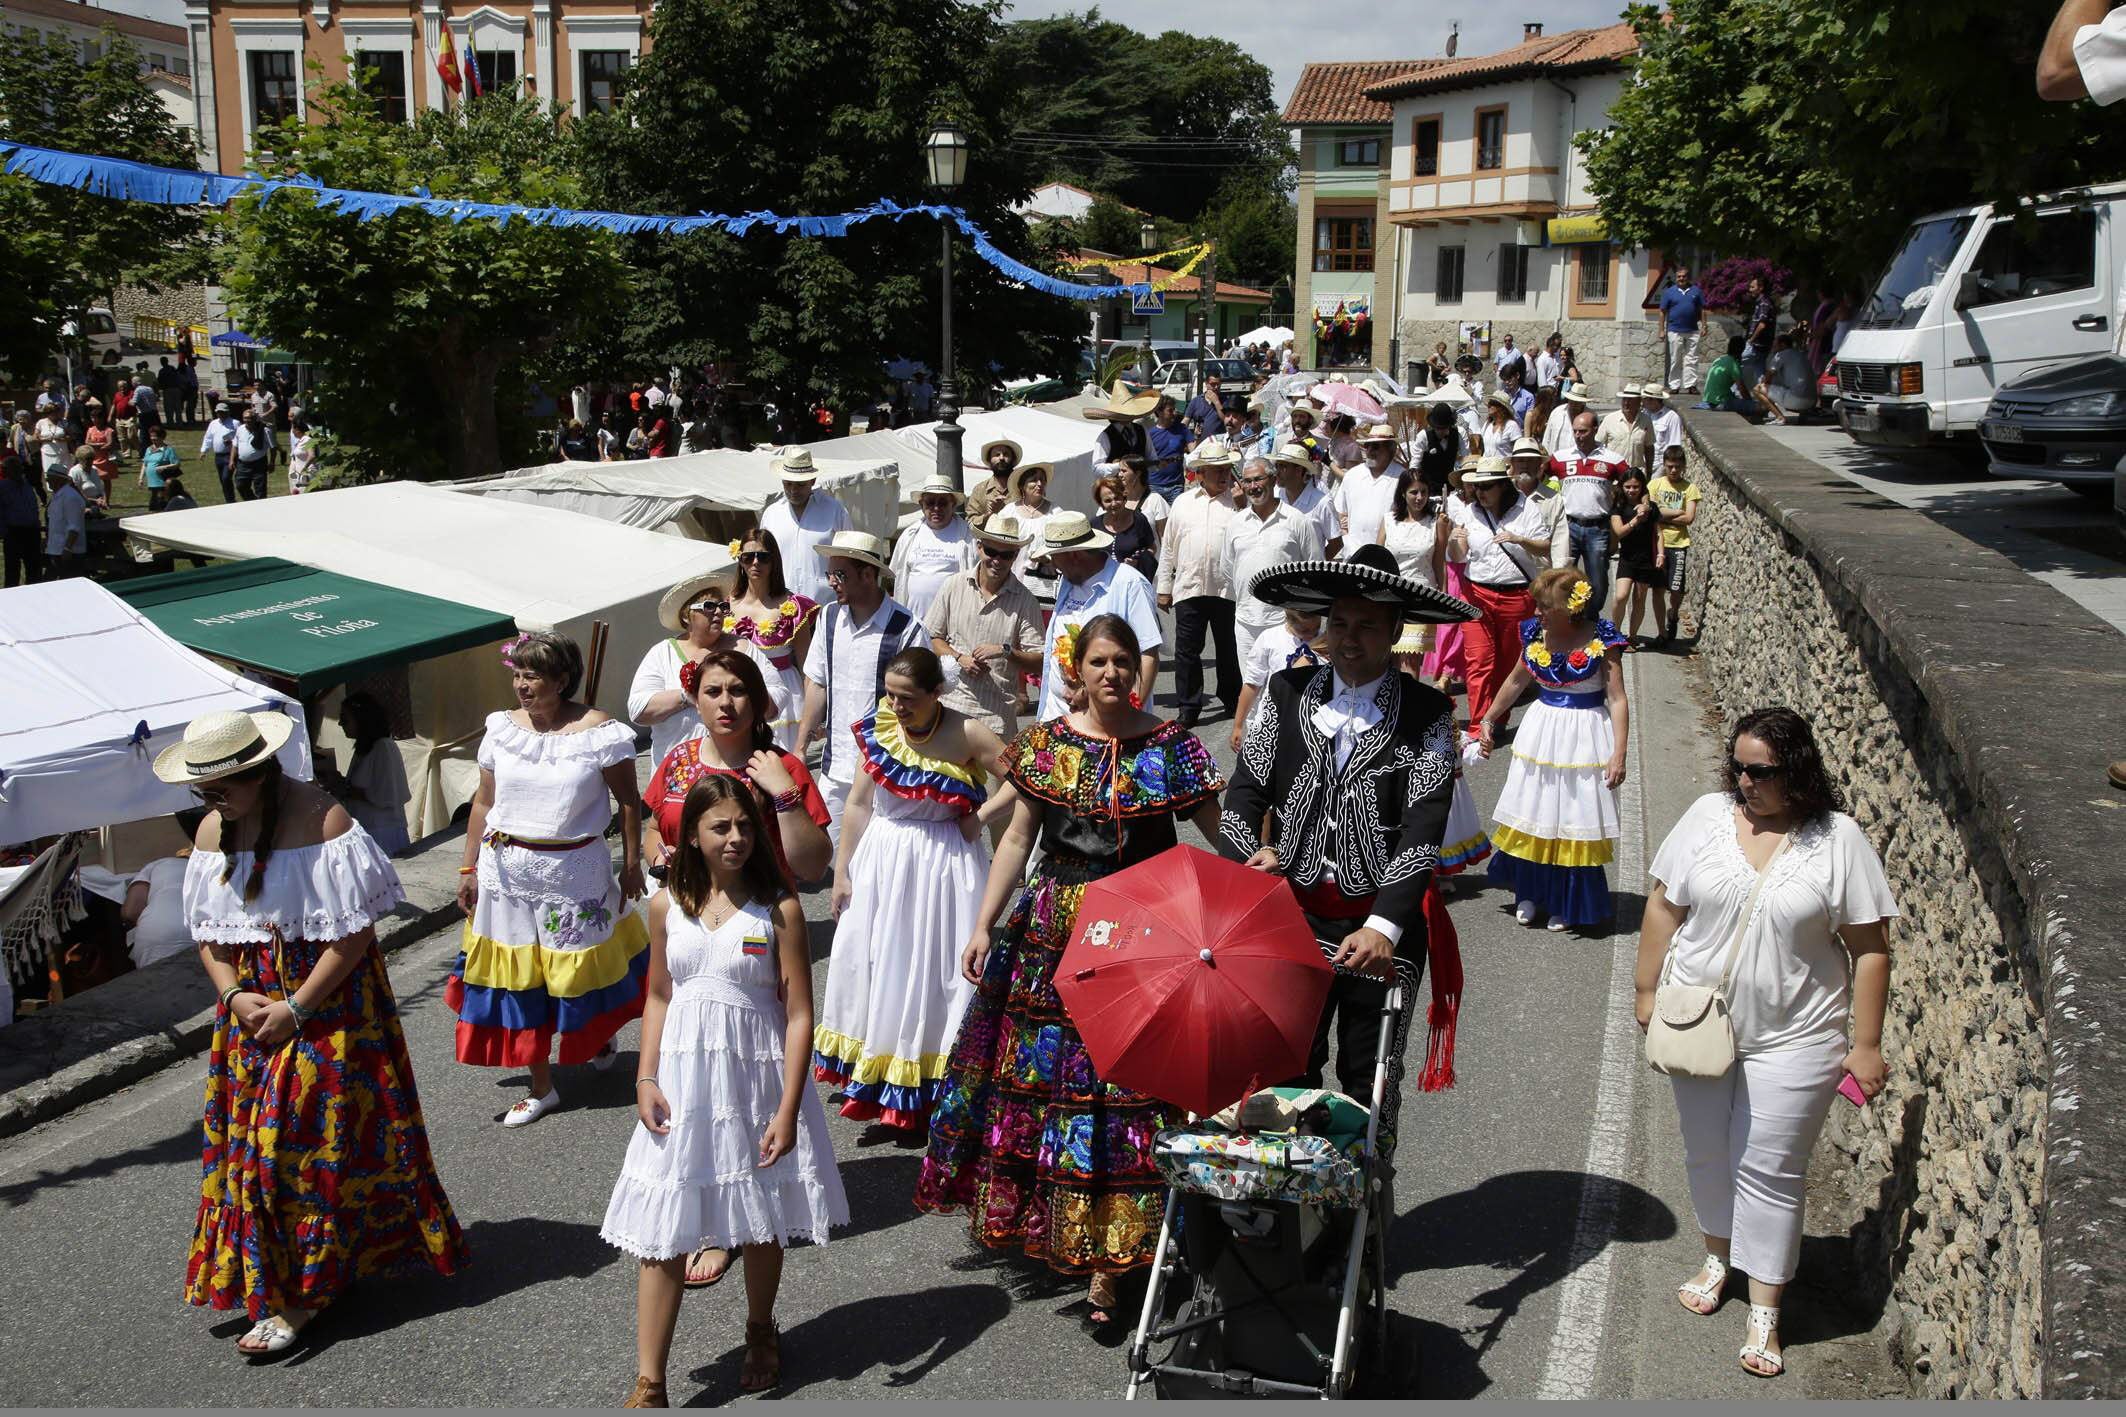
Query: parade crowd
x,y
955,735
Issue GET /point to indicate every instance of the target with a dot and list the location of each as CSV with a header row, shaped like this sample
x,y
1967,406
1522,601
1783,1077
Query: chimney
x,y
1531,29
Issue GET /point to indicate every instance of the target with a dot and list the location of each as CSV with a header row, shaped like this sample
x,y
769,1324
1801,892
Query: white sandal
x,y
530,1109
1763,1319
1708,1288
272,1334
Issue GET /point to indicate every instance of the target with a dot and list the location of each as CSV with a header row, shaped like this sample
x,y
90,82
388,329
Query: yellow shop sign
x,y
1575,230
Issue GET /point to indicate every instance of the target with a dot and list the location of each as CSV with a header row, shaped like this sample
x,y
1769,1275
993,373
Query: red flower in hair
x,y
689,676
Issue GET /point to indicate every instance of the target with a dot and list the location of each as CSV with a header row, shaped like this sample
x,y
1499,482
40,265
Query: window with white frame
x,y
603,71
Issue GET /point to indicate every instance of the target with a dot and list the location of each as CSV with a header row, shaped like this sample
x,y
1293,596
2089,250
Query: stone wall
x,y
1610,352
1954,697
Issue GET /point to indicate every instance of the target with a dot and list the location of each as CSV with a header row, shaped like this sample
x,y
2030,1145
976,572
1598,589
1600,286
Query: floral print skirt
x,y
551,949
1026,1138
315,1168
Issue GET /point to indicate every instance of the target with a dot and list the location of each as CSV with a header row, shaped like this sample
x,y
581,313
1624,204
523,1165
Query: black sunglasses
x,y
1000,553
749,557
1756,772
219,788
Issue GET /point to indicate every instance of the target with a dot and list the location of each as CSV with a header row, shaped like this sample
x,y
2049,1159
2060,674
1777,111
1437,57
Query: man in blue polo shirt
x,y
1683,313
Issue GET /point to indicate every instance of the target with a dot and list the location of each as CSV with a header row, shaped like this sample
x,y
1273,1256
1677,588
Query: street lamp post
x,y
946,149
1147,242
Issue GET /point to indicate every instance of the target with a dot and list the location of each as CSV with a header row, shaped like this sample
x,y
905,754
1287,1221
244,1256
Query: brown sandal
x,y
647,1392
762,1368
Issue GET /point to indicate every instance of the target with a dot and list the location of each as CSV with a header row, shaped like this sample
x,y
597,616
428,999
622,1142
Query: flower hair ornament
x,y
1067,653
736,547
1577,601
509,651
689,676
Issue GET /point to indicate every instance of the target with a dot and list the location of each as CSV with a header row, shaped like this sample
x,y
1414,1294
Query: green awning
x,y
312,627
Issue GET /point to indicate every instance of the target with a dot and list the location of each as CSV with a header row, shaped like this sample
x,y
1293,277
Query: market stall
x,y
708,496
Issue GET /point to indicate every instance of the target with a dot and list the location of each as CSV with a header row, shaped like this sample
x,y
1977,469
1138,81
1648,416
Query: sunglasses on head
x,y
1756,772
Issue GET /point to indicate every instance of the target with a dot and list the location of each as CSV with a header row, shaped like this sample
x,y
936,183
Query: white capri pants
x,y
1746,1141
836,796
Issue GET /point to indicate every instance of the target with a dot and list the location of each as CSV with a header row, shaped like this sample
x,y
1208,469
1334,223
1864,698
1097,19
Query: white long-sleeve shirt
x,y
1188,554
1253,544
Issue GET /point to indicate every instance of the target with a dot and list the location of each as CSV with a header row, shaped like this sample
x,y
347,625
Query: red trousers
x,y
1492,645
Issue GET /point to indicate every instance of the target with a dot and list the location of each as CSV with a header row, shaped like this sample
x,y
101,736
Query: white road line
x,y
1584,1294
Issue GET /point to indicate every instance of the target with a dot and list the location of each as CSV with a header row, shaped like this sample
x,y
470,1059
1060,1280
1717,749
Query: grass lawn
x,y
129,498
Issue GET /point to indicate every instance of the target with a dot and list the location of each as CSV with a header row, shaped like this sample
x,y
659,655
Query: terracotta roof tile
x,y
1567,52
1130,272
1336,93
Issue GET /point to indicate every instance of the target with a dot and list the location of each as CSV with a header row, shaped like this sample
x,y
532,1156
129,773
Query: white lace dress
x,y
720,1067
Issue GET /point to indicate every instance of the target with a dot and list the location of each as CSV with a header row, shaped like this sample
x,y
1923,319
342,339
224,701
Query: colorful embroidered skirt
x,y
1555,828
551,948
1026,1138
315,1169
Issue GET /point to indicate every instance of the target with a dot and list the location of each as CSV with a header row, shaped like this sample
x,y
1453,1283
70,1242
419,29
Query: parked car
x,y
2066,423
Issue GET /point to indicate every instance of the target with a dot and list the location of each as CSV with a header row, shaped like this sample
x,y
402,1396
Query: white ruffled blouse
x,y
551,786
324,892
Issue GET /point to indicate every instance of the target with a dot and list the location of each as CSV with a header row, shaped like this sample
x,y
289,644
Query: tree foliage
x,y
63,250
1809,132
412,316
805,107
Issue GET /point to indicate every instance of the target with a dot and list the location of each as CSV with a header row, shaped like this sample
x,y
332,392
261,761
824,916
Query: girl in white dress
x,y
908,881
733,1147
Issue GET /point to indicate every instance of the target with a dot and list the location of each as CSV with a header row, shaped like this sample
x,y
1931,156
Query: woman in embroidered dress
x,y
1026,1138
315,1164
774,619
1555,826
694,611
550,946
908,880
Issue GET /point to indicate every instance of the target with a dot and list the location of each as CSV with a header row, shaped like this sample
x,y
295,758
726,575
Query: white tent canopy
x,y
1065,447
1271,335
659,494
91,693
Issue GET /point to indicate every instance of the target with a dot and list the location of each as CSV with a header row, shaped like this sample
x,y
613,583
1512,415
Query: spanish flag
x,y
447,62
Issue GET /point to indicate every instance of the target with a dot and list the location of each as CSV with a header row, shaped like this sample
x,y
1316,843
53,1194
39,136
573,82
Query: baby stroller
x,y
1270,1277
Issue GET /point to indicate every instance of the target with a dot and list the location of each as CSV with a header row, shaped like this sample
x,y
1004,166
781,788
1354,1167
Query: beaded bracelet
x,y
302,1015
229,993
788,801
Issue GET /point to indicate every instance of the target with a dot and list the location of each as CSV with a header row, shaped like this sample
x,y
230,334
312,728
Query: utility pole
x,y
1206,312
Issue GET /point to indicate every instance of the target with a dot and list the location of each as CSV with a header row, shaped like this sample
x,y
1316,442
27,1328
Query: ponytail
x,y
269,813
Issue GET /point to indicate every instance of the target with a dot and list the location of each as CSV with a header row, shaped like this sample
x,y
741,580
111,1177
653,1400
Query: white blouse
x,y
1411,541
324,892
551,786
1792,979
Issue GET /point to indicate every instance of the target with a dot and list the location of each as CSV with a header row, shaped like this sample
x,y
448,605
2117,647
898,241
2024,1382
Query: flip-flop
x,y
730,1259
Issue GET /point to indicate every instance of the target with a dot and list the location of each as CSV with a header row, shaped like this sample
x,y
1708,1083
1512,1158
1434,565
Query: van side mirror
x,y
1972,289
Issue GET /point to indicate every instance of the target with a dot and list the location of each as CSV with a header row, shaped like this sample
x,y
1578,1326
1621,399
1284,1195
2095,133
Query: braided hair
x,y
269,814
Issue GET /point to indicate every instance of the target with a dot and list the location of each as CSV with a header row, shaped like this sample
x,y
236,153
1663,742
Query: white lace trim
x,y
322,892
605,744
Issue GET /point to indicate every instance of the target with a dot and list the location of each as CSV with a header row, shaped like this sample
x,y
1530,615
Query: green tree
x,y
1810,131
413,316
799,107
64,250
1256,228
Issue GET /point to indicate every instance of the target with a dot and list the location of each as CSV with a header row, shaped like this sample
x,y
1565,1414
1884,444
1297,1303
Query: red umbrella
x,y
1193,979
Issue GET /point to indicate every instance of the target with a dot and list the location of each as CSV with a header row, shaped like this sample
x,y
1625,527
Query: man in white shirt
x,y
937,547
1299,487
1668,424
1091,582
1125,433
1557,433
251,456
1367,493
1507,355
1629,431
801,520
215,443
1550,364
66,535
1192,585
845,669
1587,476
1262,534
2085,53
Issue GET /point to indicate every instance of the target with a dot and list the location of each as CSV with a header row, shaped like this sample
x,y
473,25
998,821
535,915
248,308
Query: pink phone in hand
x,y
1849,1089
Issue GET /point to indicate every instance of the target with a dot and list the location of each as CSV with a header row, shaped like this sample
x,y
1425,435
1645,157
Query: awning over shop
x,y
312,627
236,339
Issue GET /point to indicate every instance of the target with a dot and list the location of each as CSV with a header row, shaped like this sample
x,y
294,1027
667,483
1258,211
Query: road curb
x,y
146,1030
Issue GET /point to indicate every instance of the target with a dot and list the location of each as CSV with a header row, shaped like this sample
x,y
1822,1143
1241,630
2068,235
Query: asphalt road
x,y
1542,1225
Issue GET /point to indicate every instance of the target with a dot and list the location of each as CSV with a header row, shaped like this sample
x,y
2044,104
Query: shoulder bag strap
x,y
1742,925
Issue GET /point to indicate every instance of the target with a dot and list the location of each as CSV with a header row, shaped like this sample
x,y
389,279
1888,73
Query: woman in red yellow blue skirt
x,y
552,949
315,1169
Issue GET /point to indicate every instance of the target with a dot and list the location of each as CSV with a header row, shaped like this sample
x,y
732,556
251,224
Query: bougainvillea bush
x,y
1726,283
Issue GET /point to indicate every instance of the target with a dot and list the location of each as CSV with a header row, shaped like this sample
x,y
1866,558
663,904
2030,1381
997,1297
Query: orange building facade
x,y
251,59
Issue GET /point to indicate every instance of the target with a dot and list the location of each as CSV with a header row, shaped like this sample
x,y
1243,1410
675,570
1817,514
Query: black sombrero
x,y
1314,586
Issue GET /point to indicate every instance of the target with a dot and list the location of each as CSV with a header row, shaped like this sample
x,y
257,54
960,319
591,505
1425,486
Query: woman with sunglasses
x,y
774,619
1556,819
316,1168
695,611
1810,958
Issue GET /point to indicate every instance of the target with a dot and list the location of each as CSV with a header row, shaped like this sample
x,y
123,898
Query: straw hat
x,y
1576,394
1488,470
1378,433
1001,528
1529,447
1495,396
939,485
1212,452
795,465
1017,482
1298,408
672,609
853,546
1073,531
1123,404
1294,454
1018,454
1629,391
1654,393
1371,573
219,744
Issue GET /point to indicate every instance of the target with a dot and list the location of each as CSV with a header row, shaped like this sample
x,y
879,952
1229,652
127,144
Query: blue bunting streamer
x,y
129,181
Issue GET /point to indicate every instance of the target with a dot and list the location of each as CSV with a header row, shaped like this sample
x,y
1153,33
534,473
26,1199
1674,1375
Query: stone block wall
x,y
1610,353
1867,619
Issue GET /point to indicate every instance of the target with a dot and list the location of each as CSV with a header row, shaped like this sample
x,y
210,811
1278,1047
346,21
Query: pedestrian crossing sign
x,y
1148,302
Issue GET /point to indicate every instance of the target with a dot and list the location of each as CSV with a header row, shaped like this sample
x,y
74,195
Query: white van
x,y
1975,298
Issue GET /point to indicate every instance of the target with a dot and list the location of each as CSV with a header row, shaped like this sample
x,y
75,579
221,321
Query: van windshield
x,y
1907,287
